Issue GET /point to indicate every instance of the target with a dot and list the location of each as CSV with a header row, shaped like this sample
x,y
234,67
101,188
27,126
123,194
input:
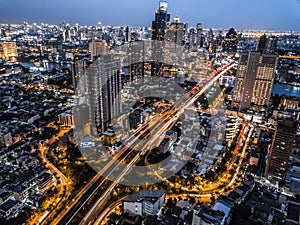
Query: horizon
x,y
133,26
266,15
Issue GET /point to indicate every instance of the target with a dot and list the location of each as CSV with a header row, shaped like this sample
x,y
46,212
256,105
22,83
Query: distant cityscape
x,y
168,124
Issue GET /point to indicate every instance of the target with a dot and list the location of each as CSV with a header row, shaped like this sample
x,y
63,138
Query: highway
x,y
158,126
246,136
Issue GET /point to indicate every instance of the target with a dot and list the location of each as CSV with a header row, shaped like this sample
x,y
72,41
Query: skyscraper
x,y
136,60
104,86
8,51
175,32
210,35
97,47
78,73
267,45
159,25
230,42
162,18
199,35
281,149
262,43
254,82
271,45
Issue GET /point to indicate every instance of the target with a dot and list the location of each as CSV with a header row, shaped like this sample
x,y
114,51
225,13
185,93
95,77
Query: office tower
x,y
219,42
104,86
136,60
211,48
230,42
254,82
279,153
126,34
262,43
210,35
199,35
162,18
267,45
8,51
97,47
175,32
192,38
159,25
271,45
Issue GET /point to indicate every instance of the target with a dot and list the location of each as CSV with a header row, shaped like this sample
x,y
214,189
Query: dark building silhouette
x,y
126,33
230,42
262,43
267,45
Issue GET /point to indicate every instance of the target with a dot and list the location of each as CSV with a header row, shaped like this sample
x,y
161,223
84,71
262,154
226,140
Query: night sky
x,y
253,14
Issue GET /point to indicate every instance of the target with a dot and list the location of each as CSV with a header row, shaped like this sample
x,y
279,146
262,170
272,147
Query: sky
x,y
241,14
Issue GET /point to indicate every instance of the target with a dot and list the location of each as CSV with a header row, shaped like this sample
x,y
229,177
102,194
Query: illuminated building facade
x,y
230,42
175,32
255,77
104,86
162,18
97,48
8,51
136,60
159,25
279,154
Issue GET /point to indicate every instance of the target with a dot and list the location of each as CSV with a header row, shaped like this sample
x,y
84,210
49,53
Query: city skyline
x,y
131,113
257,15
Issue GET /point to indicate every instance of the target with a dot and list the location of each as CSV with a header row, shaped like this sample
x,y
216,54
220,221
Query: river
x,y
47,66
285,89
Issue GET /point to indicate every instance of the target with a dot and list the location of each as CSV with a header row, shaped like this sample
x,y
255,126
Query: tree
x,y
150,220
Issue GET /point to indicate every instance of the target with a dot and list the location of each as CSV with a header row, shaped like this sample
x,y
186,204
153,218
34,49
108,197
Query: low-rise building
x,y
10,209
224,207
144,203
203,215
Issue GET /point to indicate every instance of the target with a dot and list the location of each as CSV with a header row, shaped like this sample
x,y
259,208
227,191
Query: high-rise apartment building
x,y
254,82
97,47
97,89
281,149
104,86
78,72
8,51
